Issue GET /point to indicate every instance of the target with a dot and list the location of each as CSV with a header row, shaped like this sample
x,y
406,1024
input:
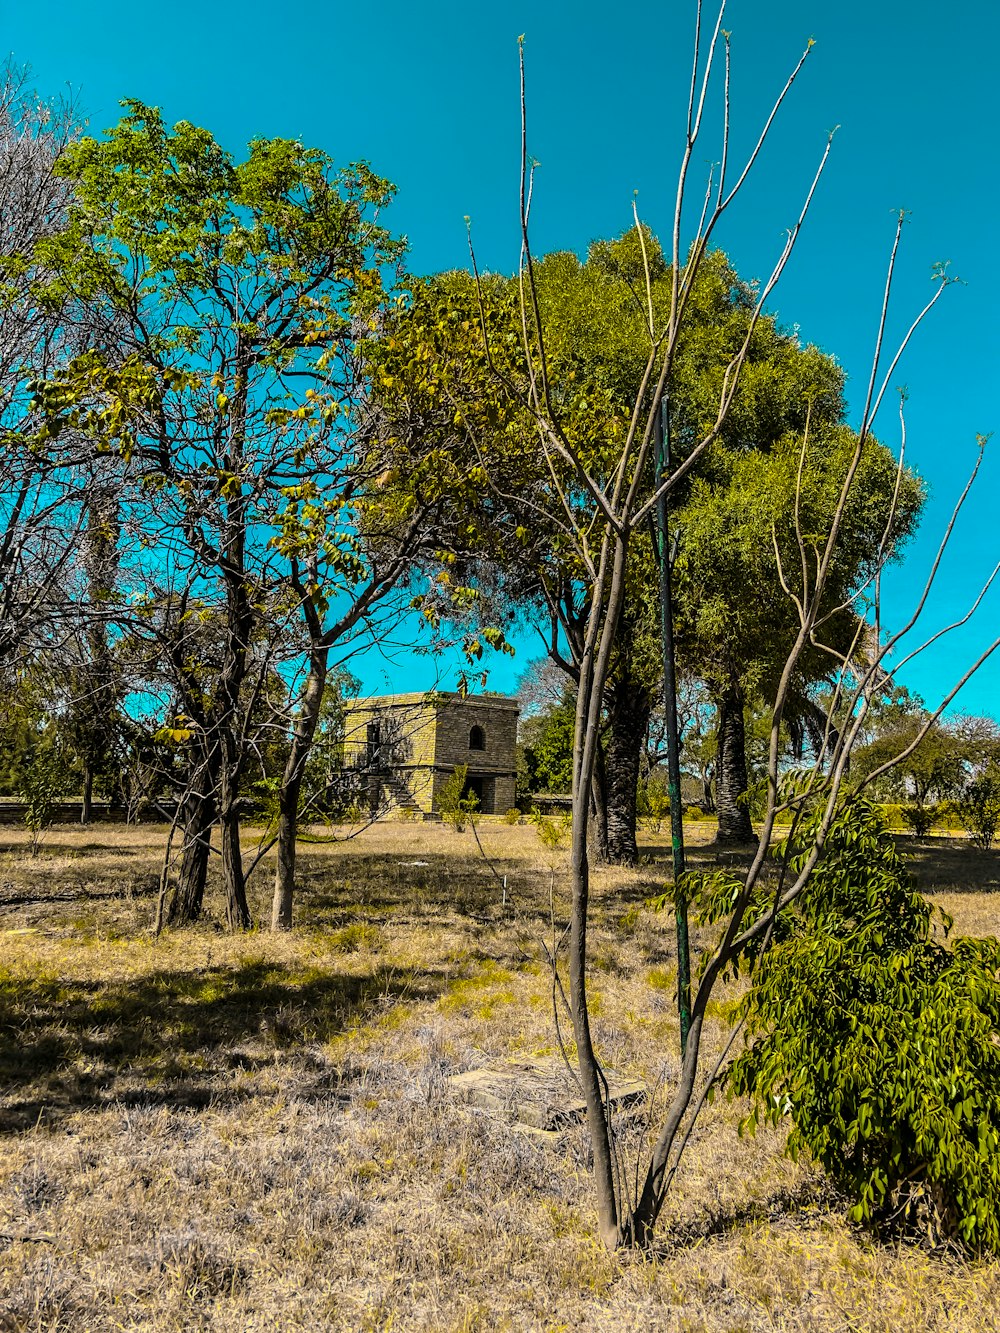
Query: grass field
x,y
255,1132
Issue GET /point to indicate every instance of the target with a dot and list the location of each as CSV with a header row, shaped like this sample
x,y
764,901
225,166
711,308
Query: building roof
x,y
432,697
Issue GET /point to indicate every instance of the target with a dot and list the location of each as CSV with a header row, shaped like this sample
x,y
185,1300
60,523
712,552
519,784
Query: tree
x,y
594,314
546,742
234,300
597,309
698,737
93,706
621,493
934,768
742,526
40,487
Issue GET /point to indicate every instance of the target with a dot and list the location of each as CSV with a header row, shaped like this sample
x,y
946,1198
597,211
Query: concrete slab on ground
x,y
538,1092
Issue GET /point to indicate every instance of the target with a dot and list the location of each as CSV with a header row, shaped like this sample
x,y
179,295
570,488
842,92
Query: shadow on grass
x,y
812,1197
174,1037
942,864
938,863
434,884
147,888
75,851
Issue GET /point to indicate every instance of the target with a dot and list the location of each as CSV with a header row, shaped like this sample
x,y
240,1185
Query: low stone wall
x,y
68,812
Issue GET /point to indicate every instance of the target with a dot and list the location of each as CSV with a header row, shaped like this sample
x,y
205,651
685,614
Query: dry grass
x,y
209,1132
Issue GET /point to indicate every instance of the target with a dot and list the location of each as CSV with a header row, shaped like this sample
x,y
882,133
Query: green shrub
x,y
552,830
891,814
453,803
979,809
918,818
653,801
42,787
879,1042
947,815
512,816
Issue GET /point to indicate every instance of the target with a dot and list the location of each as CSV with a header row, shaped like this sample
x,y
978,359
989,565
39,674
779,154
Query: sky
x,y
428,94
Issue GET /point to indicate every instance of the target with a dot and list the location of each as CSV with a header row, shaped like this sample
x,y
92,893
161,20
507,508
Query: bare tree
x,y
41,479
602,502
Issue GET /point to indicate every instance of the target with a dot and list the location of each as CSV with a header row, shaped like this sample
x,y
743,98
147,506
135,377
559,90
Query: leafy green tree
x,y
699,743
653,802
452,368
41,787
592,307
231,301
734,619
547,743
739,561
979,807
29,733
934,765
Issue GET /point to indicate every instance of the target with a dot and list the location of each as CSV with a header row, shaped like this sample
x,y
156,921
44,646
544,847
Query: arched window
x,y
477,739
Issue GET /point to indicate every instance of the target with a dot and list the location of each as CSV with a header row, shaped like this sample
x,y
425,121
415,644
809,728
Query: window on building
x,y
477,739
374,744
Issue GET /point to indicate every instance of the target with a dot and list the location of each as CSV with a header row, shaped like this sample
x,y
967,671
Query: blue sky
x,y
428,94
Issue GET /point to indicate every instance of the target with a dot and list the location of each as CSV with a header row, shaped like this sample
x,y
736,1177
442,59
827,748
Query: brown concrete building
x,y
408,745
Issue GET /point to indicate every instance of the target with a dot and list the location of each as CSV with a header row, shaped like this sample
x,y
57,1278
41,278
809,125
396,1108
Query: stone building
x,y
404,747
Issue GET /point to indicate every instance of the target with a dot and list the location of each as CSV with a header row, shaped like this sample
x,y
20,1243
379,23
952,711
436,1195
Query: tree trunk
x,y
291,785
198,818
586,752
597,828
233,880
628,713
87,803
731,770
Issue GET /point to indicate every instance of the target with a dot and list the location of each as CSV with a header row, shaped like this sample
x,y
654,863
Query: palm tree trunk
x,y
628,715
731,770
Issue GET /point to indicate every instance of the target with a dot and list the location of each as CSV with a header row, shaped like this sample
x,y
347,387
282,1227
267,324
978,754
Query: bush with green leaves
x,y
919,818
879,1042
979,808
552,830
653,801
454,803
41,786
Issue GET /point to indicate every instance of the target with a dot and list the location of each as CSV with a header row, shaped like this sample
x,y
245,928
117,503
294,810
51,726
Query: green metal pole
x,y
673,740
